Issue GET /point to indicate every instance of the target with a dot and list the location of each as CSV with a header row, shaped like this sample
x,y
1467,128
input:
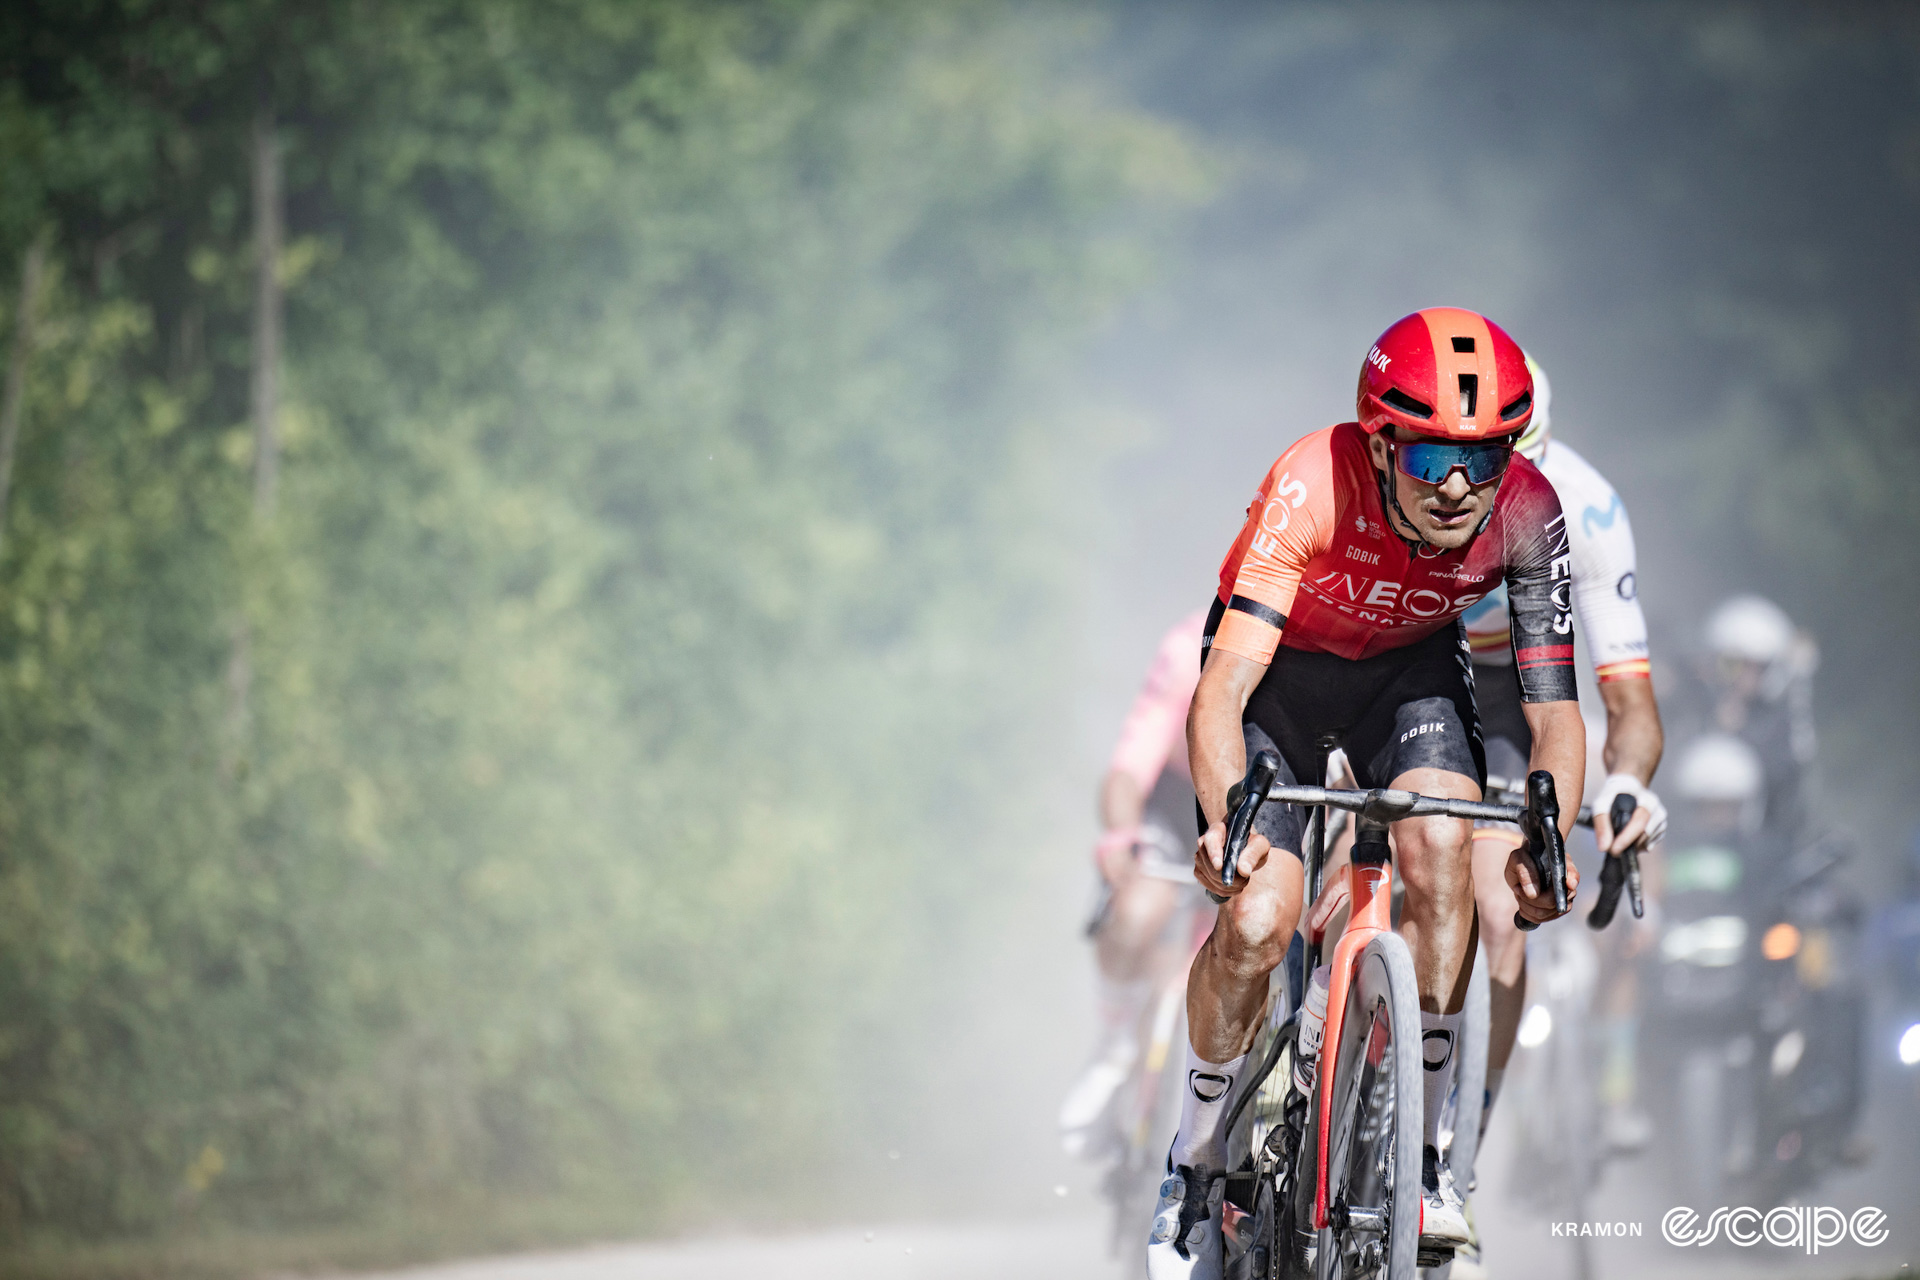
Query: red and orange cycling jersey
x,y
1317,567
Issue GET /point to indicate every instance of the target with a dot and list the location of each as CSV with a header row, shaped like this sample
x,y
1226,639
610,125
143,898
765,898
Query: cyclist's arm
x,y
1539,580
1635,739
1560,747
1607,599
1122,802
1215,745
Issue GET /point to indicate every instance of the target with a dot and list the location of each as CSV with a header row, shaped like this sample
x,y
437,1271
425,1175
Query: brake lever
x,y
1252,793
1545,847
1619,869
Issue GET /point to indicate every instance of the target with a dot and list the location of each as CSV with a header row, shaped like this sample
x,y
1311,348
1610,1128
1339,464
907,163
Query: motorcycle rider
x,y
1757,680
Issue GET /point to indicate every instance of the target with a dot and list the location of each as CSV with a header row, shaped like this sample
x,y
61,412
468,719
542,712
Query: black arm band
x,y
1272,617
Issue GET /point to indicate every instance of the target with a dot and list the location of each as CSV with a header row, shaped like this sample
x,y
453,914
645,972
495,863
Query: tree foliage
x,y
652,575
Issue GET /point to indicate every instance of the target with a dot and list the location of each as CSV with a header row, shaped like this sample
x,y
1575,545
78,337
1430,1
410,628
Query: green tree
x,y
636,655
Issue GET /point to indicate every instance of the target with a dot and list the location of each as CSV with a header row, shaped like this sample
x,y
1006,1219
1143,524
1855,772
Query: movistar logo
x,y
1595,516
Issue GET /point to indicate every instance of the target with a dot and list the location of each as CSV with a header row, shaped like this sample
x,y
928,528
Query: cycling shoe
x,y
1467,1262
1443,1215
1184,1243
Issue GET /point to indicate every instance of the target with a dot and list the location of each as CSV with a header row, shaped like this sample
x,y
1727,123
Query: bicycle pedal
x,y
1434,1257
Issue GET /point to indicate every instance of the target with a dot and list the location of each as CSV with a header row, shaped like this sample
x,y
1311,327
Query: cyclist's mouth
x,y
1449,517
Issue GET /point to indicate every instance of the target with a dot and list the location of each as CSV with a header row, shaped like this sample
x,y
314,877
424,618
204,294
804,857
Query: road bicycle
x,y
1330,1183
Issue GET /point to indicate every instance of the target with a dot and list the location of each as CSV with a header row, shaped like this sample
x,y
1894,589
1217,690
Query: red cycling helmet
x,y
1446,372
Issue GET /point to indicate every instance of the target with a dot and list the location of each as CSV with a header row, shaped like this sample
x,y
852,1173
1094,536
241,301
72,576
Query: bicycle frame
x,y
1370,885
1370,890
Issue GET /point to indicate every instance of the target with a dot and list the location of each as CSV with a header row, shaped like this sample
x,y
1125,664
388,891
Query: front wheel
x,y
1373,1148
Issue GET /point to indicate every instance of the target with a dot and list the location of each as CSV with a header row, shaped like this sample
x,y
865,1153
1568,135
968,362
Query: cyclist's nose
x,y
1455,487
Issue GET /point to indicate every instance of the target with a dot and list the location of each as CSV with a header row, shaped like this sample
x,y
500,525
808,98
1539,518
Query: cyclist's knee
x,y
1506,945
1260,925
1139,911
1431,856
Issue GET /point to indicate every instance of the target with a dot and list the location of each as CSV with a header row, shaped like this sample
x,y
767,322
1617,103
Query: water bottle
x,y
1313,1022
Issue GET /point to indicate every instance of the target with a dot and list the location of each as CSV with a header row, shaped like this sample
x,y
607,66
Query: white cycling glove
x,y
1626,784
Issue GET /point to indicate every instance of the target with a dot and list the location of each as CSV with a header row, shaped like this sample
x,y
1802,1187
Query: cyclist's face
x,y
1446,514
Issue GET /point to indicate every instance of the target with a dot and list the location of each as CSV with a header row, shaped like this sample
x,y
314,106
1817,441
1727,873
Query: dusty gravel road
x,y
1068,1243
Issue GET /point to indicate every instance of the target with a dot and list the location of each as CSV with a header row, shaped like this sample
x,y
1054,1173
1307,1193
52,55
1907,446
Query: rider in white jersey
x,y
1612,626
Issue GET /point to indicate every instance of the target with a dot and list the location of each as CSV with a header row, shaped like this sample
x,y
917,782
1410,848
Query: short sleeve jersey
x,y
1154,737
1317,567
1605,589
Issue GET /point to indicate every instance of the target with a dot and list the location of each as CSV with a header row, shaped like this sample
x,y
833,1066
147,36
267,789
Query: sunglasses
x,y
1432,461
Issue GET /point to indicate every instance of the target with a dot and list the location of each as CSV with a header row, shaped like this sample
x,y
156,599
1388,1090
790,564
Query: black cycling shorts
x,y
1502,722
1407,708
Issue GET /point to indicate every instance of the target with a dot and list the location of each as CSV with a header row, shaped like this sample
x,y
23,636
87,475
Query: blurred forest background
x,y
520,584
567,567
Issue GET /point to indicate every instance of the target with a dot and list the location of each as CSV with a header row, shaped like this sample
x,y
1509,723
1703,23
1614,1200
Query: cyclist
x,y
1338,614
1606,597
1146,804
1759,685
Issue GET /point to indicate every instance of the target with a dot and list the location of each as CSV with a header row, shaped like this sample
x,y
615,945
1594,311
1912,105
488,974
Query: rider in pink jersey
x,y
1145,857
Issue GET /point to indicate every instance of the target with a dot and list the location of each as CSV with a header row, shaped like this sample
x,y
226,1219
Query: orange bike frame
x,y
1370,915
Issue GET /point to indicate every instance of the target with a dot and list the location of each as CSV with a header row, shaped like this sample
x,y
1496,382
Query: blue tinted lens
x,y
1431,462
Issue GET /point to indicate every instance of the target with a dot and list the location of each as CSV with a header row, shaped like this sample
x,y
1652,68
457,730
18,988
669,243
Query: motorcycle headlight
x,y
1910,1046
1712,943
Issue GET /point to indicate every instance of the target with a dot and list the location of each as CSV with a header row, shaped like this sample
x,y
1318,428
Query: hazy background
x,y
734,462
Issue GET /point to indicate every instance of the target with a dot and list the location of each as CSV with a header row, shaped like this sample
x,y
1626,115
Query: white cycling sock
x,y
1203,1111
1438,1032
1495,1077
1121,1005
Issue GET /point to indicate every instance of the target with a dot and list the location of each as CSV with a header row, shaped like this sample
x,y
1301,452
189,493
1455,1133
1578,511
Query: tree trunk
x,y
268,235
13,405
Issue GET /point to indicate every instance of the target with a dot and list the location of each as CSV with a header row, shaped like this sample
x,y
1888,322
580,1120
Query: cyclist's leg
x,y
1226,1000
1132,963
1144,897
1506,949
1227,987
1422,734
1148,888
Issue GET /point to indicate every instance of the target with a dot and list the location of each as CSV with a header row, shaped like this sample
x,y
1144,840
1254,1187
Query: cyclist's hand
x,y
1534,900
1649,814
1333,896
1113,854
1211,855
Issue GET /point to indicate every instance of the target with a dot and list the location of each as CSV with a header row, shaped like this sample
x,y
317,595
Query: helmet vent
x,y
1406,403
1469,394
1463,345
1518,407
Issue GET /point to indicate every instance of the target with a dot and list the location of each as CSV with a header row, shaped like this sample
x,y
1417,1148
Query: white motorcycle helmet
x,y
1722,776
1750,629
